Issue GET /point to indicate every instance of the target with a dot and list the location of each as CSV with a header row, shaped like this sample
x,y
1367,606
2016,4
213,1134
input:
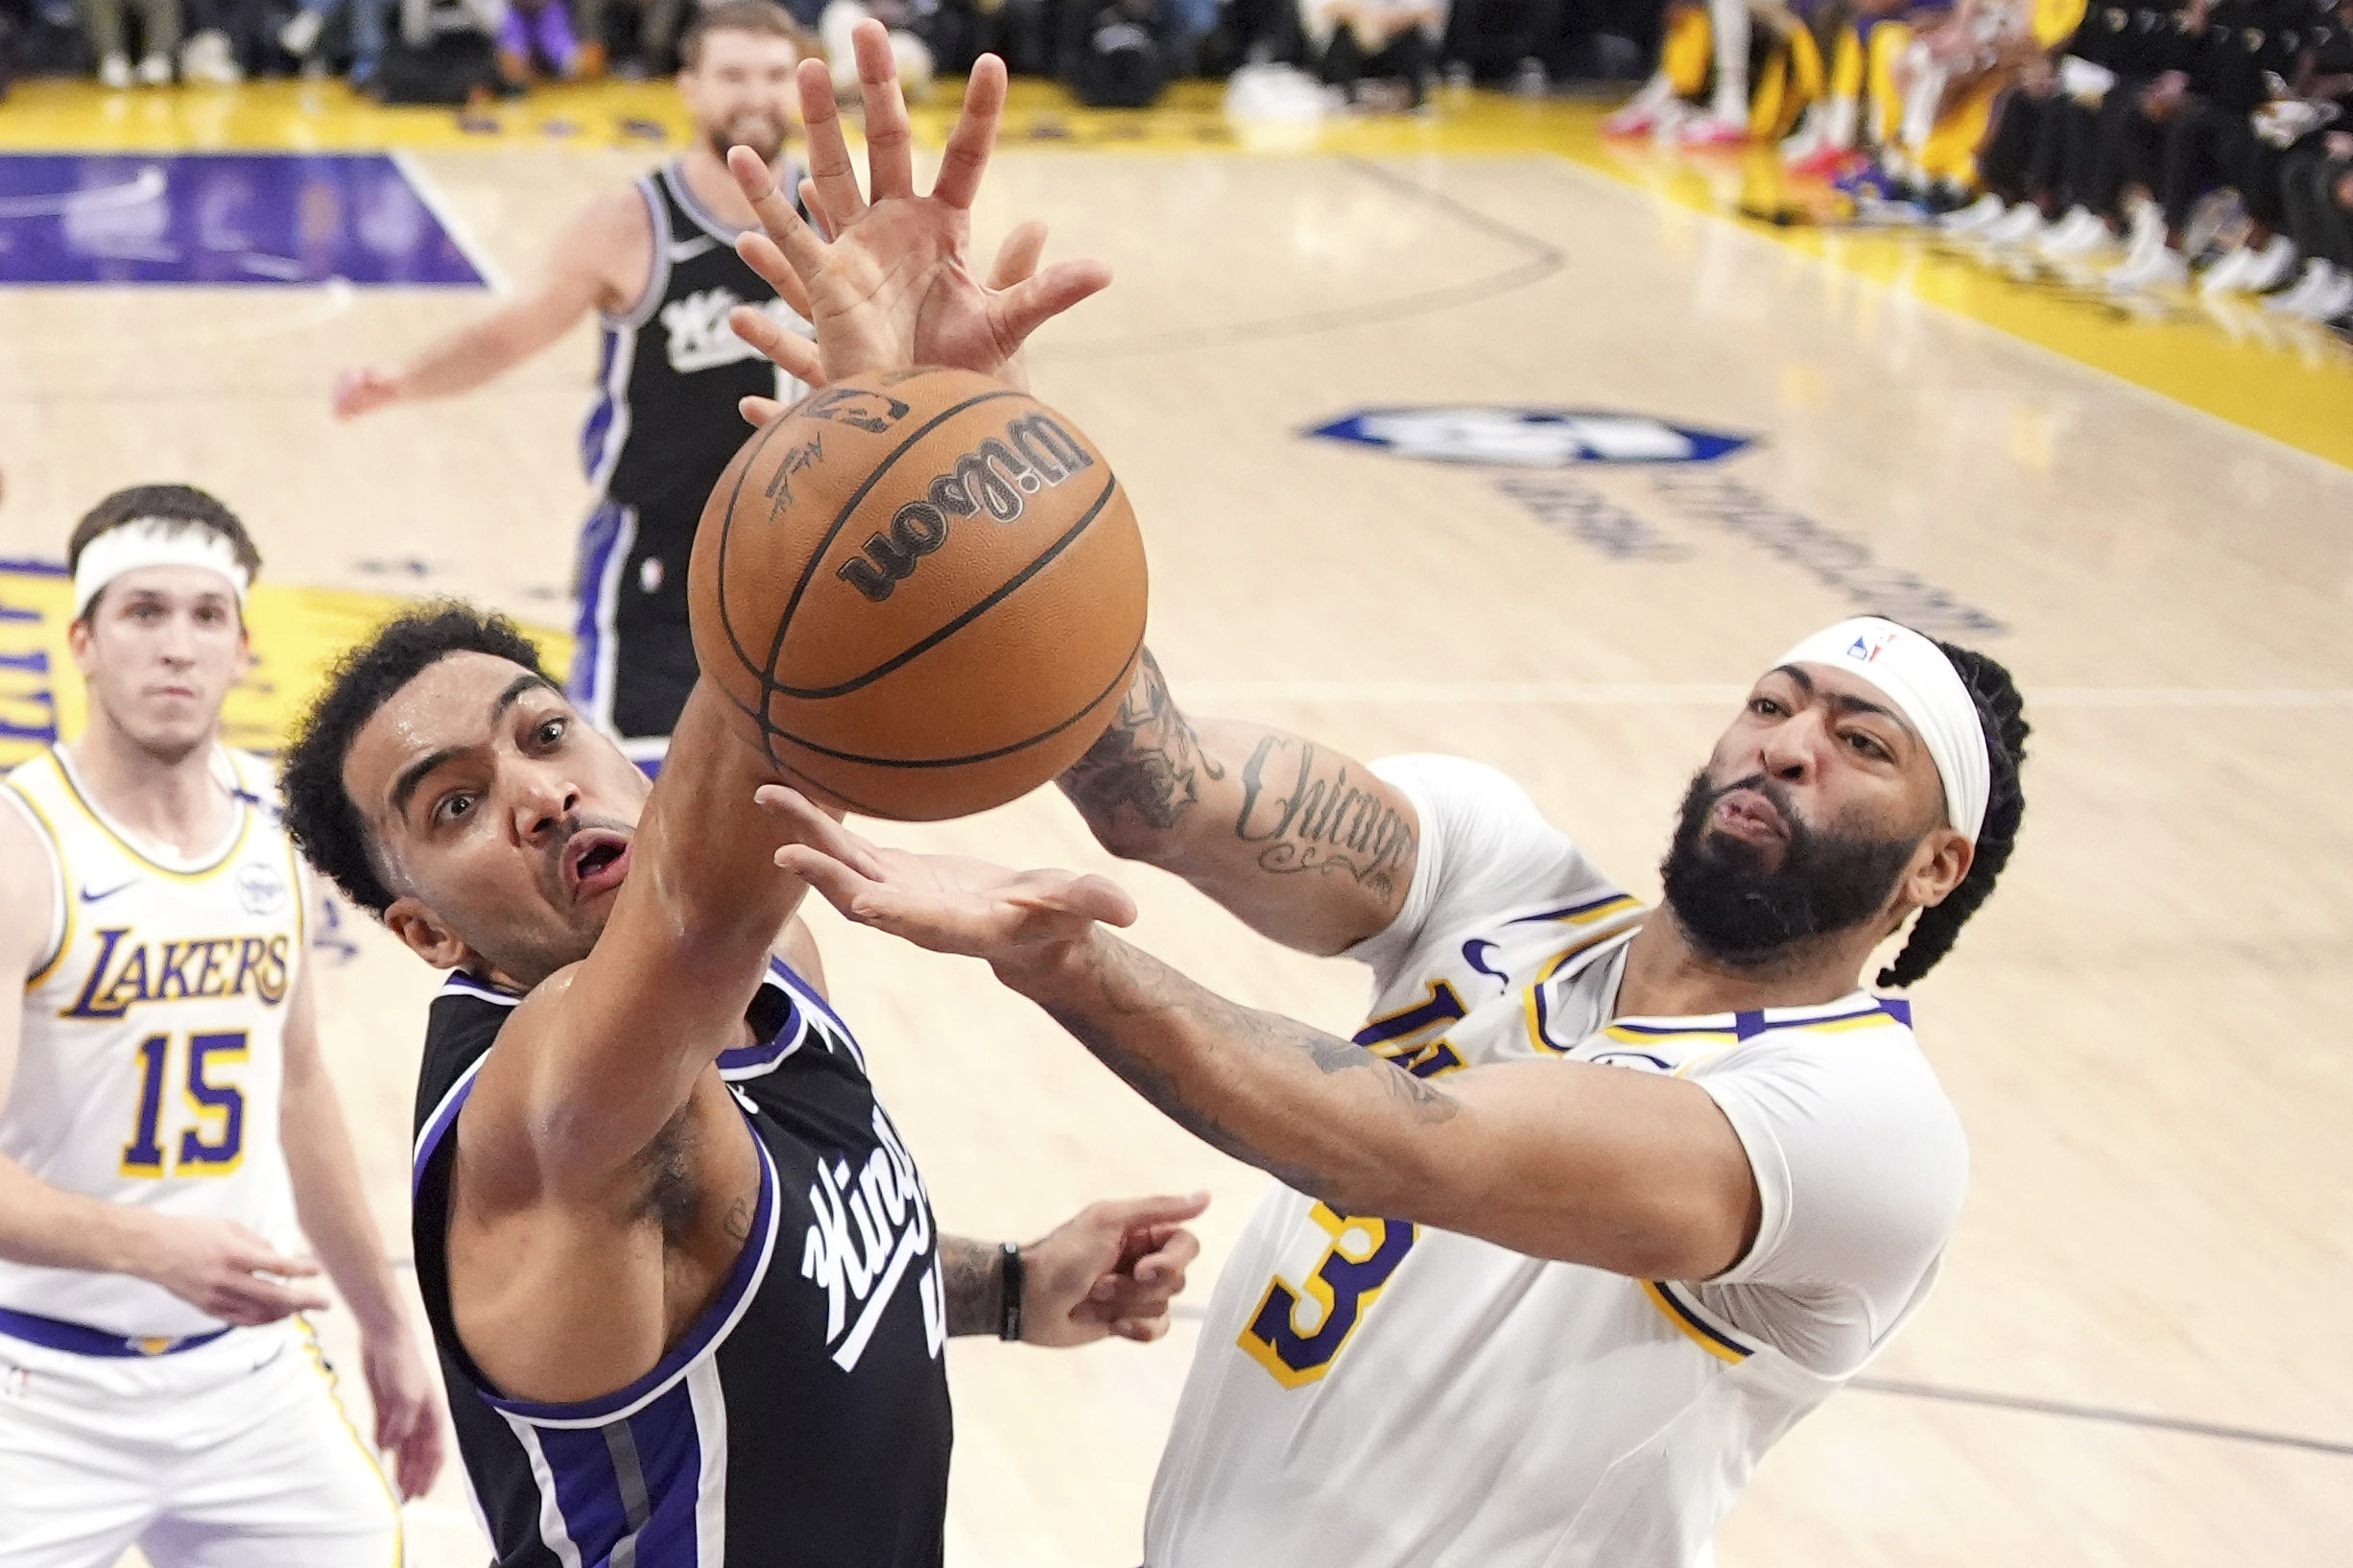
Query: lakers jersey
x,y
153,1044
1373,1394
804,1417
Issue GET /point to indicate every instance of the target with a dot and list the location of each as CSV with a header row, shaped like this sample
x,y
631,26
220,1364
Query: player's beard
x,y
1738,910
763,133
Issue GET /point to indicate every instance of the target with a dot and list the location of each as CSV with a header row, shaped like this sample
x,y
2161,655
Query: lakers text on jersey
x,y
154,1042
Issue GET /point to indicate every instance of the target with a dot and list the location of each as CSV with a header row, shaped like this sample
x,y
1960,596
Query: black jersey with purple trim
x,y
804,1418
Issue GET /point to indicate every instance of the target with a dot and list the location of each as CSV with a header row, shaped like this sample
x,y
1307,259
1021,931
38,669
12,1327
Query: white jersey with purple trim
x,y
153,1044
1371,1394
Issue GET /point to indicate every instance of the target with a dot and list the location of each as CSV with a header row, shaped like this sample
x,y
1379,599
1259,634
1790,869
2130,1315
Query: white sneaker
x,y
156,71
2332,298
2273,266
300,35
2147,227
2158,268
2021,224
1979,217
2228,276
2293,302
2079,233
115,72
207,58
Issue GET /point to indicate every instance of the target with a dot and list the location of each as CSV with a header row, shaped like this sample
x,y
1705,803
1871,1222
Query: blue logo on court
x,y
1524,438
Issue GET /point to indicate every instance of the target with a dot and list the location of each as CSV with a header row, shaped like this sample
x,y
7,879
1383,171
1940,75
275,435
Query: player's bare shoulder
x,y
612,240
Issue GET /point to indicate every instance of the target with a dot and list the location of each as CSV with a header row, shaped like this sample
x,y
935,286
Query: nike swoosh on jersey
x,y
89,897
689,249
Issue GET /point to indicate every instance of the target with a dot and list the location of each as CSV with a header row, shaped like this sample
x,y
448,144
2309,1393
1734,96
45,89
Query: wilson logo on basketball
x,y
995,477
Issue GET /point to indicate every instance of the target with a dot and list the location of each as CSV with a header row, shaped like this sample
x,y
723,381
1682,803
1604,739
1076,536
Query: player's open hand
x,y
224,1270
890,284
362,389
408,1414
1113,1269
947,903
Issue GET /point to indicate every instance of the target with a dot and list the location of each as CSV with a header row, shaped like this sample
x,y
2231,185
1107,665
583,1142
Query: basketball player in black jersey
x,y
656,261
681,1267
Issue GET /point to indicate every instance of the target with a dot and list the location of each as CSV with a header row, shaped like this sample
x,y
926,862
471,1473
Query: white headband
x,y
154,541
1914,673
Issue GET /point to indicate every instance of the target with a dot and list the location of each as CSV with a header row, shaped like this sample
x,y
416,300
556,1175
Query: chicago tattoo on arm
x,y
1149,760
1311,814
974,1280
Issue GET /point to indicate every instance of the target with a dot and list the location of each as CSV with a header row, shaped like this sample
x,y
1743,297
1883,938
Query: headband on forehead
x,y
154,541
1914,673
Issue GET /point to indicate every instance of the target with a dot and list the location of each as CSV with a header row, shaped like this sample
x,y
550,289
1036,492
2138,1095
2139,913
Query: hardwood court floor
x,y
2141,1029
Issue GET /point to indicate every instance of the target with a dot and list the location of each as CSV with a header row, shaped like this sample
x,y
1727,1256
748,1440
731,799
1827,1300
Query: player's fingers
x,y
764,256
974,137
1164,1265
830,169
814,200
1018,256
269,1301
421,1454
815,828
788,350
802,251
256,1257
1089,897
1142,1330
1034,301
758,410
835,883
890,146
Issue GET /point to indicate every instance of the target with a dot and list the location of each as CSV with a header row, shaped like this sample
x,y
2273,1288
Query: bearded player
x,y
683,1273
166,1119
1602,1199
656,261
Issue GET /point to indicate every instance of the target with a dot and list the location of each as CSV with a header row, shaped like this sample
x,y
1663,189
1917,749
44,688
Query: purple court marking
x,y
222,219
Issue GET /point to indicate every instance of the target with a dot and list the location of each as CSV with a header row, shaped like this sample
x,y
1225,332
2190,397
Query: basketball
x,y
923,594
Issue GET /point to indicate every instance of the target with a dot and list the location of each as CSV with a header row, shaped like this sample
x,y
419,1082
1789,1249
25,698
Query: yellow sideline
x,y
2292,383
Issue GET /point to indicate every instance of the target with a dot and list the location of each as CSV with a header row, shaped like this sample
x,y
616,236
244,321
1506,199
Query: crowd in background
x,y
1111,51
2155,144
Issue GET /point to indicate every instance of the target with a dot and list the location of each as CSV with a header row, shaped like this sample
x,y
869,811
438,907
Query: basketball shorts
x,y
632,655
236,1454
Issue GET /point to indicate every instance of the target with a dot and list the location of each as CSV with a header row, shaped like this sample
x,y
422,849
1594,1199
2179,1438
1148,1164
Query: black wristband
x,y
1009,1287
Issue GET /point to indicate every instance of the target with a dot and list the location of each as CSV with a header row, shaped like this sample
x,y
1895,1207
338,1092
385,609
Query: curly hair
x,y
320,817
2002,711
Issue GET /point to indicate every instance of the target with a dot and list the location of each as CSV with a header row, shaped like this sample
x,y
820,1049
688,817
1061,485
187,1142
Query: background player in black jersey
x,y
680,1268
656,261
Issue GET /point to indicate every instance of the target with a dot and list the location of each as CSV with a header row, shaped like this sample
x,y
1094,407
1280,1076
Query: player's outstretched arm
x,y
892,283
579,278
1636,1174
216,1266
1303,844
600,1057
328,1204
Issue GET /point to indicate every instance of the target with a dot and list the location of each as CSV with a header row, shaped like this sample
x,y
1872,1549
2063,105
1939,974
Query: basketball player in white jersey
x,y
168,1131
1603,1198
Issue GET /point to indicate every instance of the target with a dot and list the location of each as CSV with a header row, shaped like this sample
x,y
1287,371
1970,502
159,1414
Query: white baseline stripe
x,y
1558,694
430,193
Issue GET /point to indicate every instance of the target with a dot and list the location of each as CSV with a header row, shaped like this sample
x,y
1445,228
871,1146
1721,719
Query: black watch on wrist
x,y
1009,1287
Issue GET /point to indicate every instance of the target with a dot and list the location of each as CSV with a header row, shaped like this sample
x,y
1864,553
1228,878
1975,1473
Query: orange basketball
x,y
923,592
